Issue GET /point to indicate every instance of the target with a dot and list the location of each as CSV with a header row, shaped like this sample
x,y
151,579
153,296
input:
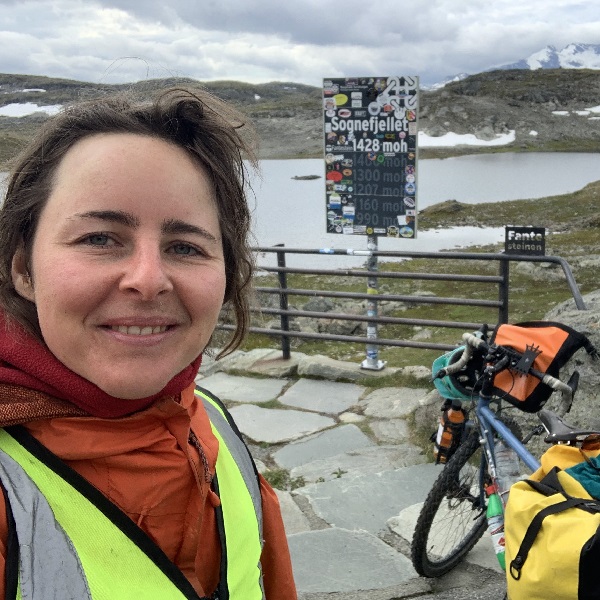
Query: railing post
x,y
372,361
503,291
283,304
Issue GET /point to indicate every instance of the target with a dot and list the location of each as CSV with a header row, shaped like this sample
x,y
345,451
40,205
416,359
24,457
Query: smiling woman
x,y
133,223
122,236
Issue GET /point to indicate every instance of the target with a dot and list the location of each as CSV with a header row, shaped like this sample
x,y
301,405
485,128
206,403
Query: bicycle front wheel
x,y
452,519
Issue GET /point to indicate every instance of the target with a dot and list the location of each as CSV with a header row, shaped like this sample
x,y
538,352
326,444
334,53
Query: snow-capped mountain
x,y
441,84
573,56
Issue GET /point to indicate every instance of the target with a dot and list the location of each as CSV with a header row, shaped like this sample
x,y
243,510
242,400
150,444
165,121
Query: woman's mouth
x,y
137,330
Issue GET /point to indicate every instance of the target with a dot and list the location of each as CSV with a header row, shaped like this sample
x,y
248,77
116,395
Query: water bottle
x,y
449,433
495,521
507,468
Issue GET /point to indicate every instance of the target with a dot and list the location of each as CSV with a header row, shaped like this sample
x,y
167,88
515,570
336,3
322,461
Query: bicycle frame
x,y
488,425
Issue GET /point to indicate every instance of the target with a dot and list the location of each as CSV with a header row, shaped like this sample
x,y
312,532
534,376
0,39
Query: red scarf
x,y
27,363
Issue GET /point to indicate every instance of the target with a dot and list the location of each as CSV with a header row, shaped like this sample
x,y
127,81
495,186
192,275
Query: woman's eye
x,y
184,250
98,239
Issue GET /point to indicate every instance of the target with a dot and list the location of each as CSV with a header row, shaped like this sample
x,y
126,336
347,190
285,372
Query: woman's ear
x,y
21,277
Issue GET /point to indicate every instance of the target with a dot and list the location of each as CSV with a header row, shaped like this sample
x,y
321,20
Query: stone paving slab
x,y
322,445
244,361
374,459
368,501
322,396
414,588
235,388
277,425
403,524
340,560
275,365
293,518
482,554
390,430
393,403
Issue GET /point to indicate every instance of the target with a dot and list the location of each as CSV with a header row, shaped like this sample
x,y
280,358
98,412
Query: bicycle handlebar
x,y
506,354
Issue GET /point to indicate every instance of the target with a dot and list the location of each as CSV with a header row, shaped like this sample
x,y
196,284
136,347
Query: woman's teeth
x,y
135,330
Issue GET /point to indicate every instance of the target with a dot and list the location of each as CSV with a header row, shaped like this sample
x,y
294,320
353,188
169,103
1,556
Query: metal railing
x,y
285,313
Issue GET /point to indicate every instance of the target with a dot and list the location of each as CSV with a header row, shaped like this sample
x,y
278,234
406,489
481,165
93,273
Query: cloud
x,y
263,40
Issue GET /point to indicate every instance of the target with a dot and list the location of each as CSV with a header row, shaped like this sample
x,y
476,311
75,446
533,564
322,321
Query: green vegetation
x,y
521,85
10,146
564,144
552,212
281,480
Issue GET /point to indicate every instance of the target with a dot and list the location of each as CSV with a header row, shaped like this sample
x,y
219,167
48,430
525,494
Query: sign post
x,y
370,126
372,361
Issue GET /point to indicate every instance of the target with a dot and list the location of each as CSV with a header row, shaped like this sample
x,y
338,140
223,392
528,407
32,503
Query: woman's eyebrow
x,y
114,216
175,226
171,226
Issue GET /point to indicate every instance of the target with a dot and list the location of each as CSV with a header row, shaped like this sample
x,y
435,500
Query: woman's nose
x,y
145,273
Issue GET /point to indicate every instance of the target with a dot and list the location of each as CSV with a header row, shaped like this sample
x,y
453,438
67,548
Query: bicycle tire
x,y
452,519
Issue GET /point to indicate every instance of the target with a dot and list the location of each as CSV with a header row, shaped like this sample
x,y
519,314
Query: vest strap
x,y
241,519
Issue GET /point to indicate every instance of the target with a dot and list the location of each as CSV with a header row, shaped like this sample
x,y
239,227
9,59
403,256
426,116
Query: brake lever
x,y
439,375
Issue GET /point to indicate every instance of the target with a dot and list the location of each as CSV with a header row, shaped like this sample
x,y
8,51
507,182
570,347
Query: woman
x,y
123,233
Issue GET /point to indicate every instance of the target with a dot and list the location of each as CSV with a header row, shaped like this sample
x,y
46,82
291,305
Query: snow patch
x,y
540,58
467,139
28,108
579,56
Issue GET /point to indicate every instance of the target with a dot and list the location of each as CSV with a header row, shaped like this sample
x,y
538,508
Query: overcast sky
x,y
120,41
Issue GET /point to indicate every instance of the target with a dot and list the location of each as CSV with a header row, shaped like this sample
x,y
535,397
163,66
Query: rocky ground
x,y
284,136
548,109
543,108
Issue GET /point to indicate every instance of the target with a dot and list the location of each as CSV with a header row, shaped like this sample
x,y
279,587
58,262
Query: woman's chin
x,y
127,391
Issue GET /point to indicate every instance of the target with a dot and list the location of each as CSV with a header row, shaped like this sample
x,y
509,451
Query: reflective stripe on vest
x,y
242,517
55,510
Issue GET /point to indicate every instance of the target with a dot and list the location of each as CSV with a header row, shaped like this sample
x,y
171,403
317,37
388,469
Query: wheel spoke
x,y
453,517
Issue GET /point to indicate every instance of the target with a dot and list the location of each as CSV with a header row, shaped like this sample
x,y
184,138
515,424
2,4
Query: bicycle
x,y
453,516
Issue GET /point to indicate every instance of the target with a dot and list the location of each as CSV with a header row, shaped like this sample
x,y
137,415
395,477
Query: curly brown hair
x,y
209,130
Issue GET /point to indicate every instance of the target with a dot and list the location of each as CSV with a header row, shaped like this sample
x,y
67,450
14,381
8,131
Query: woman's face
x,y
127,267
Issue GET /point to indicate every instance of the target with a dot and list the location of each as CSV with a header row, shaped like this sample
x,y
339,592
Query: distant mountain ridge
x,y
572,56
544,109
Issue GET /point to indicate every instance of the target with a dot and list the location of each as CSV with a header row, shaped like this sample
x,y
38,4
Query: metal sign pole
x,y
372,361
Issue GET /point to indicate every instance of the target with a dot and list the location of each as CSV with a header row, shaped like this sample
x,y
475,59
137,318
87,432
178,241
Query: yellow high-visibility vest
x,y
68,541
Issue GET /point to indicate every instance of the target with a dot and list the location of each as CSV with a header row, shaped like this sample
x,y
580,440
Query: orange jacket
x,y
144,464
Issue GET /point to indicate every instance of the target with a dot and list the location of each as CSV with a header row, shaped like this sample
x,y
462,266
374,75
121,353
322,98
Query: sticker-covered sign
x,y
371,155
